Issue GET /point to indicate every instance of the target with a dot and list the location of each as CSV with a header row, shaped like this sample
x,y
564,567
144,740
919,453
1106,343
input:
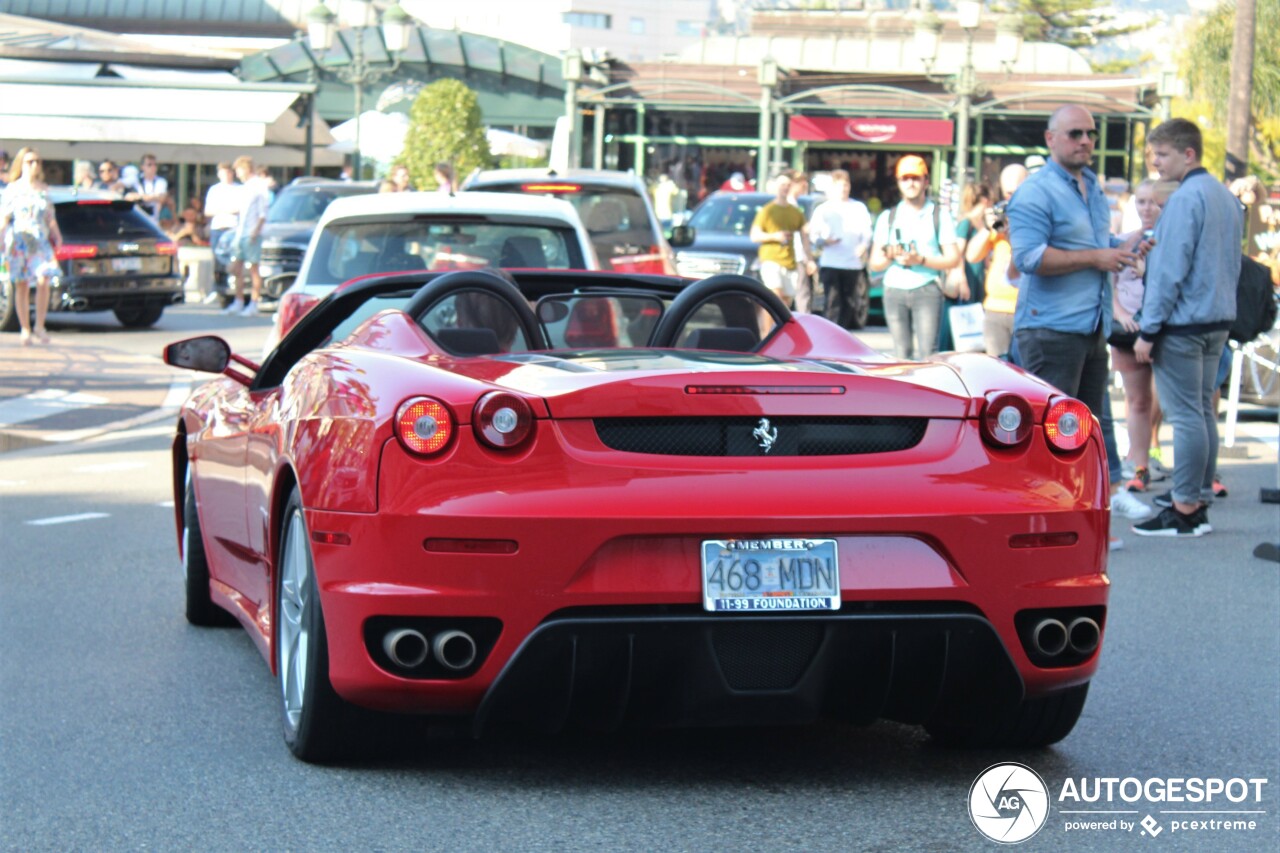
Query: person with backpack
x,y
914,245
1188,307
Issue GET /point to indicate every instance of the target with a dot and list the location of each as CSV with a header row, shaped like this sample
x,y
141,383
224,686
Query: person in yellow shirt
x,y
775,228
993,240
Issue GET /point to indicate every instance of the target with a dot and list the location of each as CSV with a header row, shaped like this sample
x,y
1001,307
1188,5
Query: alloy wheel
x,y
294,632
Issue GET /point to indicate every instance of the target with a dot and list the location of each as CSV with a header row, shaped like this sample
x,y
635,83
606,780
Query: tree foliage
x,y
445,126
1206,69
1082,24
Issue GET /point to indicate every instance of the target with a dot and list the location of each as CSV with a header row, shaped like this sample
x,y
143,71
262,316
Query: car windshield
x,y
615,218
300,205
105,221
347,251
727,214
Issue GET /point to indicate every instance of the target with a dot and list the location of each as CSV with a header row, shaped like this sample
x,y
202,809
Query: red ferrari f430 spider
x,y
590,499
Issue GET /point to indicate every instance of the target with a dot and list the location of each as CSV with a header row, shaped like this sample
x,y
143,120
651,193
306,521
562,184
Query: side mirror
x,y
683,236
274,286
208,354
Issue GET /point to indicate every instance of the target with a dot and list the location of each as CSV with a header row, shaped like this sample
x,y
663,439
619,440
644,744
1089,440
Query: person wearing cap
x,y
914,245
775,228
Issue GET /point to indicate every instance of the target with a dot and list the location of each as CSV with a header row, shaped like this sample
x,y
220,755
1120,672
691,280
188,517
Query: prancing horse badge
x,y
765,434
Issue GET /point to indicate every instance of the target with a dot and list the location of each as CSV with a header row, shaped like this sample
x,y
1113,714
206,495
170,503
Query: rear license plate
x,y
126,264
770,574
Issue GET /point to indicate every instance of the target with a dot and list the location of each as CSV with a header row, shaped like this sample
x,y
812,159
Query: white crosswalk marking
x,y
67,519
41,404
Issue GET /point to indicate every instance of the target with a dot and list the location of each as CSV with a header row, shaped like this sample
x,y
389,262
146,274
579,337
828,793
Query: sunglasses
x,y
911,178
1078,132
31,161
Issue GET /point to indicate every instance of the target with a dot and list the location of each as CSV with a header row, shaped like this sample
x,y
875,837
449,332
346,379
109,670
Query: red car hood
x,y
658,383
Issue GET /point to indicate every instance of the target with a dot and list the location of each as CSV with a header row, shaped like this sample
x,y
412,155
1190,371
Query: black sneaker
x,y
1201,520
1170,522
1164,501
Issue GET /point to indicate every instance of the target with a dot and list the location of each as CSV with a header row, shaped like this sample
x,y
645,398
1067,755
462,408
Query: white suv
x,y
406,232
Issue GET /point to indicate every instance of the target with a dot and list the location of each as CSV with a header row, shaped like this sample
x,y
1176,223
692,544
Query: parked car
x,y
716,238
392,232
638,502
112,258
291,220
614,207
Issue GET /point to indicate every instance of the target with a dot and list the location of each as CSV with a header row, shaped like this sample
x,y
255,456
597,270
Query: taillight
x,y
1067,424
75,252
166,248
423,425
1006,420
551,187
502,420
653,262
293,307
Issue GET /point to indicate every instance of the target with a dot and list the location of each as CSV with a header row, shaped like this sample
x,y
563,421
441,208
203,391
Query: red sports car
x,y
608,500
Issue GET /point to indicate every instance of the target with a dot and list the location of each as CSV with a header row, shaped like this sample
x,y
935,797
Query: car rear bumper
x,y
87,294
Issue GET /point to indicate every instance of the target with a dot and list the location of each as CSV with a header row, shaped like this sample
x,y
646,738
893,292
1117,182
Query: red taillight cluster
x,y
166,248
76,252
502,420
293,306
1006,421
1067,424
424,426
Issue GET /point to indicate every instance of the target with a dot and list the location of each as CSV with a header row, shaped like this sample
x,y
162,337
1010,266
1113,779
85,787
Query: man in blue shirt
x,y
1188,304
1060,230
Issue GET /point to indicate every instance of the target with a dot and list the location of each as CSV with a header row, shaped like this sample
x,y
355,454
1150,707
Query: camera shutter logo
x,y
1009,803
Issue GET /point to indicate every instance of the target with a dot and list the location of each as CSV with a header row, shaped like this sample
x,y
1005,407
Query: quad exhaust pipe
x,y
1083,635
408,648
455,650
1049,637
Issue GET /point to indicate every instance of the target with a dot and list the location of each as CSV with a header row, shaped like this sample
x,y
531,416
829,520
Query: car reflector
x,y
423,425
1068,424
1006,420
502,420
325,537
1043,540
471,546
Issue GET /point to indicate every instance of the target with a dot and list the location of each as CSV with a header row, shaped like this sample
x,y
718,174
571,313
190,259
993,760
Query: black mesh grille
x,y
764,656
795,436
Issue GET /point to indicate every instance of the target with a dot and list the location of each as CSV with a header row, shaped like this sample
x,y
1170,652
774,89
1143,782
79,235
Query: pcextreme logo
x,y
1009,803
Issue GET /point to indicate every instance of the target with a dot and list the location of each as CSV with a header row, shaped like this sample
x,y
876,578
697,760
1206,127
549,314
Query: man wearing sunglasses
x,y
1060,230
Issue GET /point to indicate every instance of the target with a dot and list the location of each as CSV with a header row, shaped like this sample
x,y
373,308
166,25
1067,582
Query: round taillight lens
x,y
1067,424
423,425
1006,420
502,420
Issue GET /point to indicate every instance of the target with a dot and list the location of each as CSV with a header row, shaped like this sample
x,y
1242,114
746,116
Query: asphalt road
x,y
124,728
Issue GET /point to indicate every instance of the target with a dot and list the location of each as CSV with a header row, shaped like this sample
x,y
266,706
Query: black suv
x,y
112,258
290,223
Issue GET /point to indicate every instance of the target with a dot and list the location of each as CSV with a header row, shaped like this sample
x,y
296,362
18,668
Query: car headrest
x,y
731,339
523,252
469,341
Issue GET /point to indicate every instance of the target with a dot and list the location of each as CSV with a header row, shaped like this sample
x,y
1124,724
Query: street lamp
x,y
359,16
573,70
965,84
767,76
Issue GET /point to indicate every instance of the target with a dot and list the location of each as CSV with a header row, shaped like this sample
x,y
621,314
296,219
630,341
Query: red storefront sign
x,y
898,131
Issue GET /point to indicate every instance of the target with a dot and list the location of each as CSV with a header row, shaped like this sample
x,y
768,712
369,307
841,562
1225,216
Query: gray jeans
x,y
1185,369
914,314
1075,364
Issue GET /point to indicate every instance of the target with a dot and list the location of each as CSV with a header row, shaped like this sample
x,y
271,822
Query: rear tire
x,y
139,318
195,568
1035,723
313,716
